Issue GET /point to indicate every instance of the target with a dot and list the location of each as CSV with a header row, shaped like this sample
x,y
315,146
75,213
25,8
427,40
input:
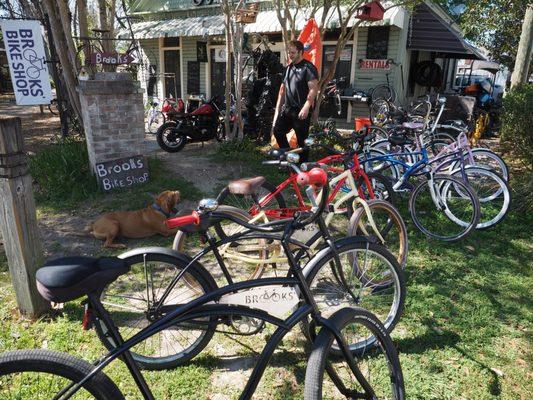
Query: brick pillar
x,y
113,116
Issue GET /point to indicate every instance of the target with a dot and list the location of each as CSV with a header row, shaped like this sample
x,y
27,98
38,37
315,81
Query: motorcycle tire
x,y
164,143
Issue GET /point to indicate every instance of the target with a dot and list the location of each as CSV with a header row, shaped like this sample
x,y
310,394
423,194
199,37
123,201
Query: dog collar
x,y
156,207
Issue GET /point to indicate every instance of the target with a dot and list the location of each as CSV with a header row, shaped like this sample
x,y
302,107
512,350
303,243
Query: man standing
x,y
296,97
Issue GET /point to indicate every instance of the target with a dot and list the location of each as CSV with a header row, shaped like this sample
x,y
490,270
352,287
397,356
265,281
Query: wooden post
x,y
18,220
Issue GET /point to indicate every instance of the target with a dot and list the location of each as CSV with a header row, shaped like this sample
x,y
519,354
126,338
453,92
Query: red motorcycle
x,y
200,125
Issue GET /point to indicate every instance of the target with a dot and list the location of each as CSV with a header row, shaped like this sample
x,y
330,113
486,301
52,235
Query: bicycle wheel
x,y
155,120
244,258
487,159
379,367
381,186
53,107
379,111
378,132
370,162
390,225
369,277
383,92
492,191
44,374
444,208
130,302
245,202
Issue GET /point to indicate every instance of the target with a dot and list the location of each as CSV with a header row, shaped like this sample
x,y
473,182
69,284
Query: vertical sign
x,y
23,41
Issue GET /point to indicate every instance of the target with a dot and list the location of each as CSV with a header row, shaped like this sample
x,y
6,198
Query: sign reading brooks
x,y
122,173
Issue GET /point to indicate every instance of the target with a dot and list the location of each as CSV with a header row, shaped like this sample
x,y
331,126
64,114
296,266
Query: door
x,y
344,66
172,73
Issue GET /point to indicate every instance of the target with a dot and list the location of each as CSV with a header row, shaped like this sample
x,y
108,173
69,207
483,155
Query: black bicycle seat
x,y
399,140
69,278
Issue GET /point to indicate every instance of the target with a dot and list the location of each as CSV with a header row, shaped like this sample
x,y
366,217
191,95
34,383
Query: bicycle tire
x,y
472,199
394,219
155,121
53,107
490,190
480,156
322,349
383,91
246,203
384,167
381,186
329,294
118,292
379,111
54,363
180,244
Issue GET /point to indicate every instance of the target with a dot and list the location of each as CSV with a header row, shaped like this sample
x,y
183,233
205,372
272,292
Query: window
x,y
378,42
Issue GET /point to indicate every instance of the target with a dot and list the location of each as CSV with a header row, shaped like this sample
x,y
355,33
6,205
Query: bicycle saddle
x,y
399,140
413,125
69,278
246,186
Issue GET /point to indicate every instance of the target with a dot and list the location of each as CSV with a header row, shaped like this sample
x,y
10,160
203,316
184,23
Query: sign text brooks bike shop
x,y
27,62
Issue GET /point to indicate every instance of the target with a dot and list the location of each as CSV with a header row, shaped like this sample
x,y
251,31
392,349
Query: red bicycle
x,y
365,199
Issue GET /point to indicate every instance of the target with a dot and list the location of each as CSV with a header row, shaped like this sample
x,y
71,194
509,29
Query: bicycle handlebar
x,y
193,218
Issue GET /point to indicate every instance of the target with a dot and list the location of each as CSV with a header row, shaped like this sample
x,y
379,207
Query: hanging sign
x,y
111,58
374,64
24,46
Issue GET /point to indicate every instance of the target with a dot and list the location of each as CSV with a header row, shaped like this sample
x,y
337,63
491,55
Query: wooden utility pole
x,y
525,50
18,219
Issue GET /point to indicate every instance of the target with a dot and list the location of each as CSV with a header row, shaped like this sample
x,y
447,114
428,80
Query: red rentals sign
x,y
111,58
374,64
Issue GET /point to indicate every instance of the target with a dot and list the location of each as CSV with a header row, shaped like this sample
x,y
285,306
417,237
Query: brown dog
x,y
137,224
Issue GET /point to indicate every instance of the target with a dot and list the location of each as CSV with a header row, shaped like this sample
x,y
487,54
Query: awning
x,y
192,26
266,22
429,32
490,66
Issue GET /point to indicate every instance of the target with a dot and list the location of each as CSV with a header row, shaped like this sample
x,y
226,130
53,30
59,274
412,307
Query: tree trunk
x,y
525,49
84,29
68,70
227,88
65,17
238,131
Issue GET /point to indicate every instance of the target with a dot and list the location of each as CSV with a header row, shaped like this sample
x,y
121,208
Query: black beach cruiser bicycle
x,y
369,373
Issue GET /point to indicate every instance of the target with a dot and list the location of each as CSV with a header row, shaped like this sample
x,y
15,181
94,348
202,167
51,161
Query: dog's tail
x,y
86,232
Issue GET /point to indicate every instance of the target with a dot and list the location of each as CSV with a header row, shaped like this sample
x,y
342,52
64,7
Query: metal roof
x,y
266,22
429,32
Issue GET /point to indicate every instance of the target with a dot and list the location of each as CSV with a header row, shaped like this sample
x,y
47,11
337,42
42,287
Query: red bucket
x,y
361,122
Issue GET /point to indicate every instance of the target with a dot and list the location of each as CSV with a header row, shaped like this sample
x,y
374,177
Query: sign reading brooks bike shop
x,y
121,173
27,62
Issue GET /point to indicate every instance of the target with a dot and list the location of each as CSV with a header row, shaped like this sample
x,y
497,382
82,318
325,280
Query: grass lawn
x,y
465,332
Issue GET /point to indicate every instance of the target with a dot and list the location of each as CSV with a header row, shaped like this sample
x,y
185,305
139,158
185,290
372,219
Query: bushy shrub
x,y
62,172
517,123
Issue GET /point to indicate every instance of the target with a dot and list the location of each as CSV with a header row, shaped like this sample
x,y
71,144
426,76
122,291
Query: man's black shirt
x,y
296,79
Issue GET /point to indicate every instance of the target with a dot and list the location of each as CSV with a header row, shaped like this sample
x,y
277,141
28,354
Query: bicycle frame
x,y
206,306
